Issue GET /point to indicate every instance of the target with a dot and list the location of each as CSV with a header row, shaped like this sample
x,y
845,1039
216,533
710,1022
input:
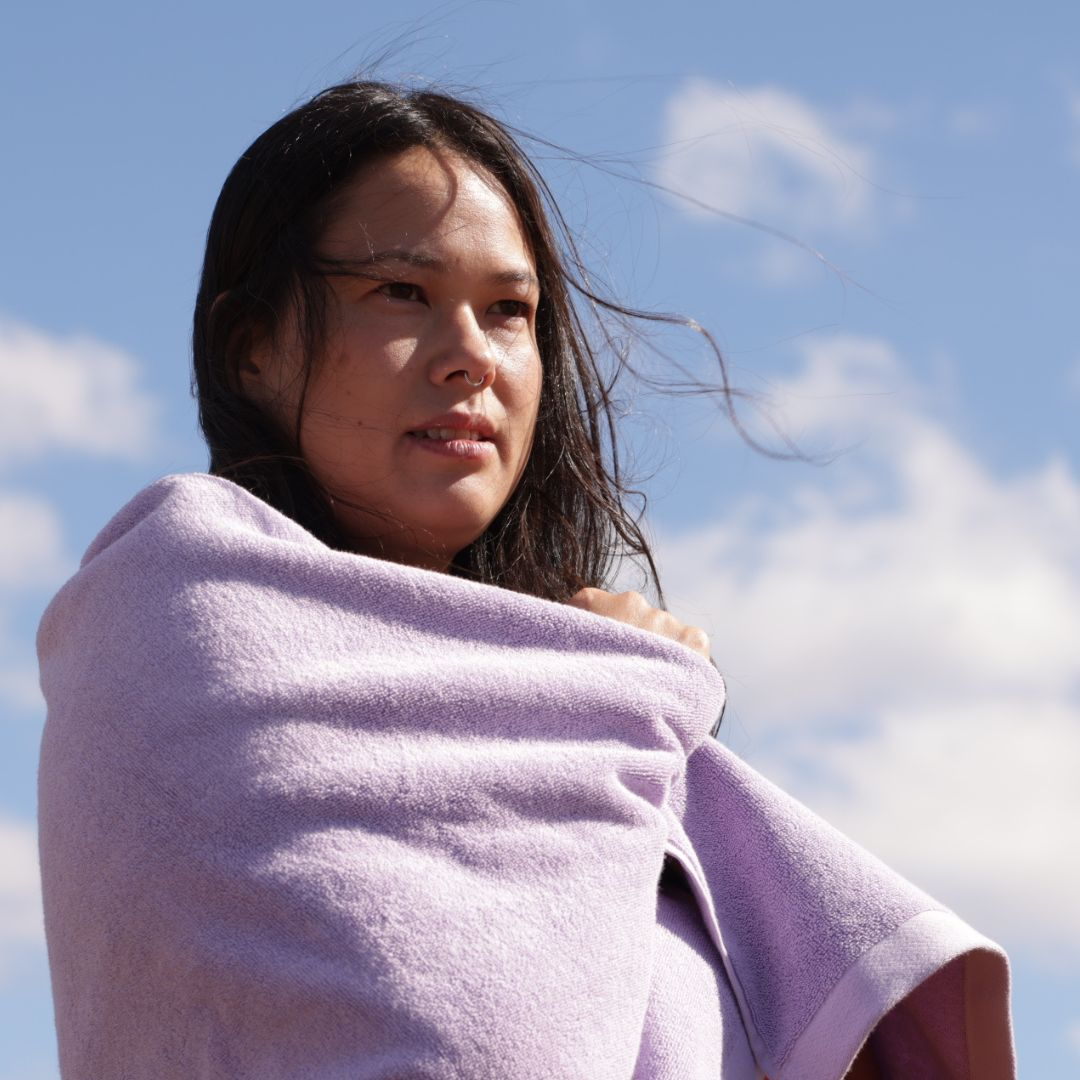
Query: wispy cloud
x,y
900,641
56,395
971,121
20,893
31,557
1072,1038
69,394
766,154
30,541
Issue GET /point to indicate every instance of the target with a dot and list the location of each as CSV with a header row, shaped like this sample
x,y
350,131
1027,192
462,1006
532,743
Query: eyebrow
x,y
364,266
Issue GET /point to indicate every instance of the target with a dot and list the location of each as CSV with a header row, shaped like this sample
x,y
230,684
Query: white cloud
x,y
977,801
900,638
31,555
768,155
72,394
20,893
19,686
69,394
1072,1037
30,541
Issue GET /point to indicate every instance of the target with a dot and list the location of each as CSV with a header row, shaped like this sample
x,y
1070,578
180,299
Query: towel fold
x,y
307,814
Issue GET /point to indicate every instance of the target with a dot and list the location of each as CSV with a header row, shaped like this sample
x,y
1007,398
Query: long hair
x,y
568,522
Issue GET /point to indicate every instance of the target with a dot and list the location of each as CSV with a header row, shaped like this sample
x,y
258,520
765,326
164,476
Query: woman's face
x,y
442,288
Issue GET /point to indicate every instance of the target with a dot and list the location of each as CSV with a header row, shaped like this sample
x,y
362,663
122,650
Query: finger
x,y
582,598
693,637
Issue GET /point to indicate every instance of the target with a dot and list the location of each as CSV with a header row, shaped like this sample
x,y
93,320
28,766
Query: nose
x,y
462,350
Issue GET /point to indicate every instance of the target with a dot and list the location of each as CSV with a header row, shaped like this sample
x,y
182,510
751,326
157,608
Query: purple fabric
x,y
693,1030
309,814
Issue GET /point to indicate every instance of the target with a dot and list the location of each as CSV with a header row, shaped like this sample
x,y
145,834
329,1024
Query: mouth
x,y
450,435
455,444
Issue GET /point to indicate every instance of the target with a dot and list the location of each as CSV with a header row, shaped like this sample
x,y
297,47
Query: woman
x,y
353,768
457,210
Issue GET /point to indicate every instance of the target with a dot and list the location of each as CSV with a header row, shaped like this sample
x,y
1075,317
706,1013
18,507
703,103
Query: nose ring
x,y
479,382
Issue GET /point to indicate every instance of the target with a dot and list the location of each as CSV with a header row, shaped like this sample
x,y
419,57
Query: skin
x,y
442,283
633,608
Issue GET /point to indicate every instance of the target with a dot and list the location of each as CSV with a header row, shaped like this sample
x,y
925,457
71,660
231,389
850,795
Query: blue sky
x,y
901,627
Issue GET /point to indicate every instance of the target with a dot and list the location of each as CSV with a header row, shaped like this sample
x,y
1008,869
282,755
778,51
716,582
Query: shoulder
x,y
181,537
191,510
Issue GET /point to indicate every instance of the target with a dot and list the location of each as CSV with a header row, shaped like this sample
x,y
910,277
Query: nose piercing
x,y
480,382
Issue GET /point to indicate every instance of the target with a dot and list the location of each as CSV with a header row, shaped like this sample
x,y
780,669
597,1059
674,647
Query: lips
x,y
455,426
462,450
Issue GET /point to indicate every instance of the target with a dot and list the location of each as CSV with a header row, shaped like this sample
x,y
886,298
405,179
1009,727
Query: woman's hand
x,y
632,608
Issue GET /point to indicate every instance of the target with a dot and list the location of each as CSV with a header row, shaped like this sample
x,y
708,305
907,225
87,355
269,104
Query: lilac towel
x,y
306,814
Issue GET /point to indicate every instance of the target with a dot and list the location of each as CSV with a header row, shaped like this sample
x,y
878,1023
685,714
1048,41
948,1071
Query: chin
x,y
432,542
454,523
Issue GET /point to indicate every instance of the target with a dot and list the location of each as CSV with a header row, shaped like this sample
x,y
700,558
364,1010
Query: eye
x,y
401,290
518,309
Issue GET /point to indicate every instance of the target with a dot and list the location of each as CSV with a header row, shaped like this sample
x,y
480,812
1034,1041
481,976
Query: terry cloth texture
x,y
307,814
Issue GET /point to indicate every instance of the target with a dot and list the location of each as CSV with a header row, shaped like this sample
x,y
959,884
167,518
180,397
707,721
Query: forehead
x,y
430,201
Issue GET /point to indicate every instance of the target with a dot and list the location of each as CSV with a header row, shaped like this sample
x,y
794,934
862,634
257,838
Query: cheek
x,y
536,384
331,412
529,405
346,383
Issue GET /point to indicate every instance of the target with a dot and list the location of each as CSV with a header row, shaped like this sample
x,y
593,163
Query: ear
x,y
262,374
251,363
244,361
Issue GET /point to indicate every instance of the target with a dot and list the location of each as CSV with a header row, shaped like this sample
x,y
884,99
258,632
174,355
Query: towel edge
x,y
883,976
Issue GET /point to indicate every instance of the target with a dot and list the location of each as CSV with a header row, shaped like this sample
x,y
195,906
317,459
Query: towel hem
x,y
883,976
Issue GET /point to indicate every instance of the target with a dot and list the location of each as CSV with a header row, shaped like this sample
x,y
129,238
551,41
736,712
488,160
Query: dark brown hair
x,y
568,522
